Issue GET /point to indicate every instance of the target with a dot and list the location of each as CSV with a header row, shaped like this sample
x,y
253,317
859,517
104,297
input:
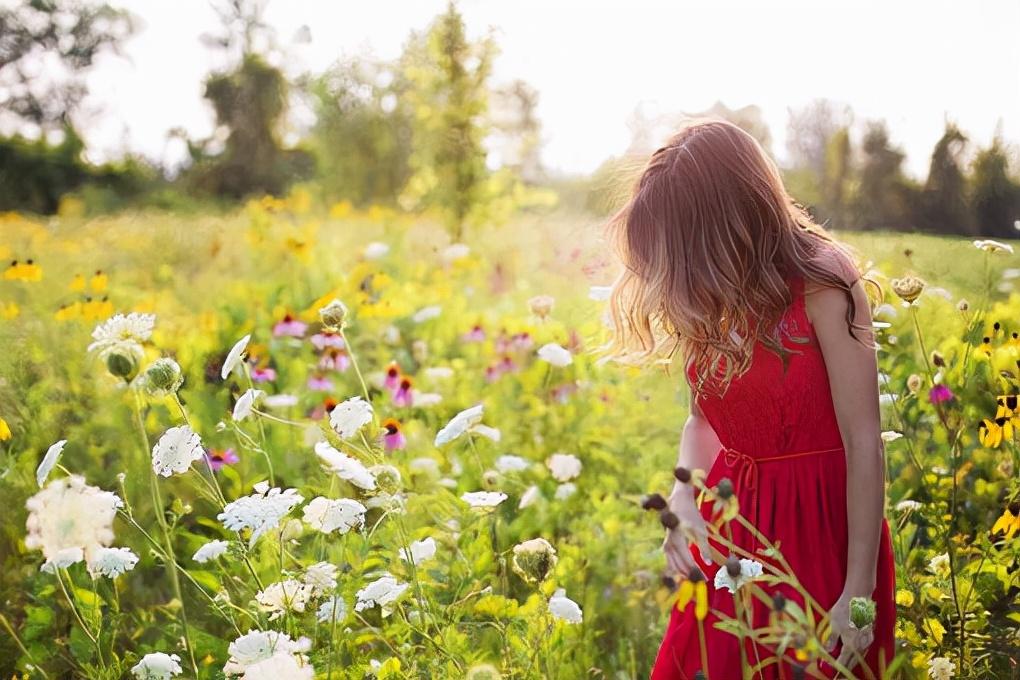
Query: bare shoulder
x,y
827,305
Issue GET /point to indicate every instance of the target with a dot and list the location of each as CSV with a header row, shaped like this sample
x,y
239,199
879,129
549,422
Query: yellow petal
x,y
701,600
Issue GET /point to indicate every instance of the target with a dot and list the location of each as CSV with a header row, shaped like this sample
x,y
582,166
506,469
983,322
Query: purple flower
x,y
261,375
940,393
476,334
334,360
290,326
217,459
327,339
403,395
320,383
394,438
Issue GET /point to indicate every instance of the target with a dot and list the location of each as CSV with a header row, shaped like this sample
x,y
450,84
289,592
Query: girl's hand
x,y
676,545
856,641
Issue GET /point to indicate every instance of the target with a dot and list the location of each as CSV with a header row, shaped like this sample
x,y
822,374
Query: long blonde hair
x,y
709,240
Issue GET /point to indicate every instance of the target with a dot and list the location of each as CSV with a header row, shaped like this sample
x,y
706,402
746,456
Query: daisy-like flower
x,y
48,461
512,463
217,458
280,666
908,506
350,416
941,668
111,562
122,330
393,439
334,609
492,433
245,403
891,436
284,596
210,551
157,666
345,467
375,250
334,360
694,588
459,424
426,313
534,559
261,511
23,271
420,551
391,380
483,499
319,383
564,466
288,326
176,450
555,354
476,334
261,374
737,573
990,246
326,339
563,608
565,490
328,515
530,496
321,578
383,592
404,394
259,645
280,401
1009,522
939,565
69,520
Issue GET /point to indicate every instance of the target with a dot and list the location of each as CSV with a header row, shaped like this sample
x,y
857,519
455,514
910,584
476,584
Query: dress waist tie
x,y
746,473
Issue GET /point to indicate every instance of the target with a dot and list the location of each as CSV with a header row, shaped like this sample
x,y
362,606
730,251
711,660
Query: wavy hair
x,y
709,240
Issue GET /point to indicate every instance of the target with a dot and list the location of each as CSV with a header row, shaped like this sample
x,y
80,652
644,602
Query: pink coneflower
x,y
327,339
290,326
394,438
522,341
334,360
476,334
323,410
507,365
939,394
392,380
403,395
320,383
492,373
217,458
562,393
261,375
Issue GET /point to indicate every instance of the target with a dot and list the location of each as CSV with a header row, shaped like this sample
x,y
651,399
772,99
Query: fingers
x,y
678,554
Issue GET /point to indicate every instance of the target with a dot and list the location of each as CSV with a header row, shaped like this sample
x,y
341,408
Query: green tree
x,y
995,195
885,197
943,201
449,95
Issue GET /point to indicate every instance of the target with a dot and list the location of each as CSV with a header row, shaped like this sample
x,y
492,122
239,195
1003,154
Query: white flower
x,y
261,511
487,432
280,666
564,466
246,402
749,571
555,354
563,608
210,551
422,550
600,293
176,450
423,399
157,666
111,562
426,313
483,499
455,252
908,505
424,466
512,463
565,490
259,645
890,436
375,250
939,565
991,246
438,372
321,578
68,520
284,596
350,416
532,494
234,357
459,424
941,668
48,461
333,609
122,331
383,591
345,467
280,401
328,515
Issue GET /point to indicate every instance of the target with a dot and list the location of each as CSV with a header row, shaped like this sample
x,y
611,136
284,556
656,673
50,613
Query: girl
x,y
722,264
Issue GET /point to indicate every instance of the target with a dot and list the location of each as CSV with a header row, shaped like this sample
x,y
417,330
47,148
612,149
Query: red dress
x,y
798,501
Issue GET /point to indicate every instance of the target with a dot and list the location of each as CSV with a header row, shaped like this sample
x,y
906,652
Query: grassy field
x,y
563,452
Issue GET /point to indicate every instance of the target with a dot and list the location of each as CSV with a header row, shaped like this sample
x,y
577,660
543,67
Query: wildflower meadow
x,y
303,441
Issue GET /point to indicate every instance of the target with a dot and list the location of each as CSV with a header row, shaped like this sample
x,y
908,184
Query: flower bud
x,y
653,502
669,519
862,611
682,474
696,575
914,383
908,288
733,566
334,315
724,488
962,305
122,364
490,479
534,559
937,359
541,305
162,377
778,602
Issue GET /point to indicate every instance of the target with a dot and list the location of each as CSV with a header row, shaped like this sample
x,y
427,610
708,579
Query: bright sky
x,y
911,62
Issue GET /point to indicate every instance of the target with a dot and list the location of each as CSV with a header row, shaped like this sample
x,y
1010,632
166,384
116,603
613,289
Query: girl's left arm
x,y
852,367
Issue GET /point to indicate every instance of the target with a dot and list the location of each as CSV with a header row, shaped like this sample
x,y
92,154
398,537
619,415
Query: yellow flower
x,y
340,210
99,281
992,432
1009,522
23,271
69,312
695,587
5,430
9,311
77,284
904,598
